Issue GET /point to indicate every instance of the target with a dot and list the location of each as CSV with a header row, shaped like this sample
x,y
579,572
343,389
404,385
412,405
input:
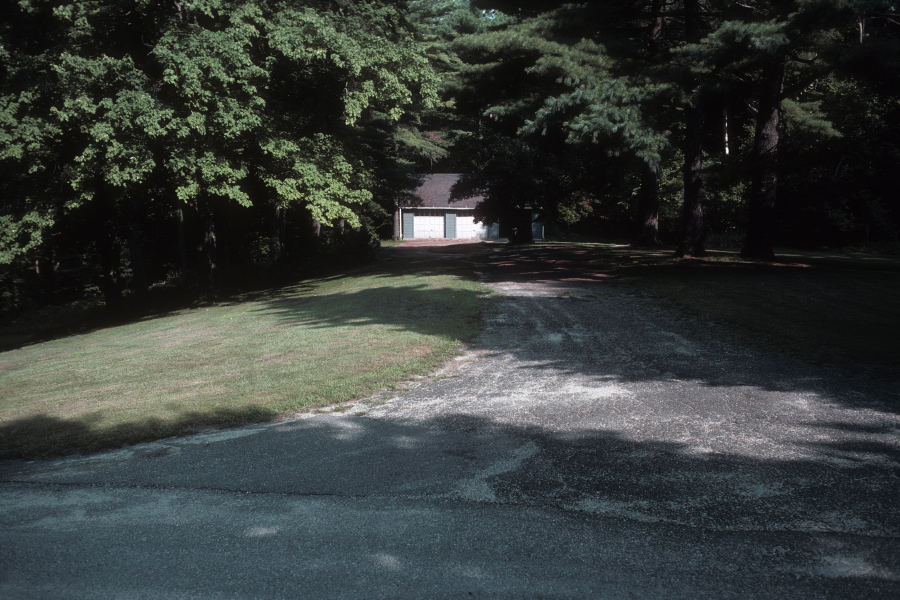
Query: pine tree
x,y
782,46
547,80
691,240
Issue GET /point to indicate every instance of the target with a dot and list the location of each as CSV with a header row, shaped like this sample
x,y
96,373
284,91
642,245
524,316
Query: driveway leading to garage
x,y
590,444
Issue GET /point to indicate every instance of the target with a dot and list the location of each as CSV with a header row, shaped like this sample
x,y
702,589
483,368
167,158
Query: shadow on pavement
x,y
492,497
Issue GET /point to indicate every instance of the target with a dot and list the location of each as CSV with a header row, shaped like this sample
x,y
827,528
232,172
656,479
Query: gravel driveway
x,y
590,444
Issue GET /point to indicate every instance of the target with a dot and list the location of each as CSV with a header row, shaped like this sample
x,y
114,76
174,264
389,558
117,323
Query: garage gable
x,y
435,216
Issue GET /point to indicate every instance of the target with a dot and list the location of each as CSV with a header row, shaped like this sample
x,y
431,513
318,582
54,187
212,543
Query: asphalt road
x,y
590,444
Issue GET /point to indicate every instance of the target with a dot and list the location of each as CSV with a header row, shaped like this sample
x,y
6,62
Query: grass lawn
x,y
254,358
822,307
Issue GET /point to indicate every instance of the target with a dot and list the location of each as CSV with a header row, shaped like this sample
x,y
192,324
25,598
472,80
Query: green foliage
x,y
113,115
429,137
21,234
842,190
319,174
552,81
590,75
609,111
808,118
445,20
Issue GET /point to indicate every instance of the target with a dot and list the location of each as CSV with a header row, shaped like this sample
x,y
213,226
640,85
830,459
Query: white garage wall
x,y
466,227
431,225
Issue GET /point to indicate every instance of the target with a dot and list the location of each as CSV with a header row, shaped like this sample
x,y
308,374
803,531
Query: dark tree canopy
x,y
732,91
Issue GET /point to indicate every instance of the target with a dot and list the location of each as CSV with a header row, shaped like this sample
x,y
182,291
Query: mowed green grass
x,y
255,358
821,307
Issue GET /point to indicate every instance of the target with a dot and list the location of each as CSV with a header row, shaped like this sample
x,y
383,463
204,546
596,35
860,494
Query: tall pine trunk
x,y
760,240
398,226
657,23
648,207
648,203
46,266
691,238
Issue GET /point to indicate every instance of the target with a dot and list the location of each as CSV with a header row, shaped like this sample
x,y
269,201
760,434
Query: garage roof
x,y
435,192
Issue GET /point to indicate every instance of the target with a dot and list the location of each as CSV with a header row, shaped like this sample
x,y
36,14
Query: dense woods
x,y
696,121
183,148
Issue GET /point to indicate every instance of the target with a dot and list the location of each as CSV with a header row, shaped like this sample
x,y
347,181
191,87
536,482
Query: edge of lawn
x,y
254,358
825,307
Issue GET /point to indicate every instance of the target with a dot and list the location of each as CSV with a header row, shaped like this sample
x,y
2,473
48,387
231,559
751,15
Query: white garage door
x,y
428,227
466,227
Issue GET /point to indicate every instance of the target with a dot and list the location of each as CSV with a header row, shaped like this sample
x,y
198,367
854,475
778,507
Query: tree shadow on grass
x,y
167,301
44,436
576,316
841,318
564,331
60,322
407,301
414,307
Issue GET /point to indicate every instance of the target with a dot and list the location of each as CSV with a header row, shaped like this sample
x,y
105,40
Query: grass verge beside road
x,y
255,358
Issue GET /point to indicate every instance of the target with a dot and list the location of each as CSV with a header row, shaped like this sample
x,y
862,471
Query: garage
x,y
466,227
428,226
419,224
432,213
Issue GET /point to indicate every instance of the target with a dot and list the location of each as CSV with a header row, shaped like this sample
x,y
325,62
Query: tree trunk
x,y
760,240
648,203
110,264
521,230
46,267
734,127
276,233
182,247
690,241
657,23
648,207
210,251
136,253
726,140
313,239
109,250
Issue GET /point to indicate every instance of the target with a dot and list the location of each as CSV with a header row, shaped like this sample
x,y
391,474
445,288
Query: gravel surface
x,y
590,443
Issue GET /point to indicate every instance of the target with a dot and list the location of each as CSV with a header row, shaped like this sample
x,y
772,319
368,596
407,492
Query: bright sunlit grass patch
x,y
261,357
